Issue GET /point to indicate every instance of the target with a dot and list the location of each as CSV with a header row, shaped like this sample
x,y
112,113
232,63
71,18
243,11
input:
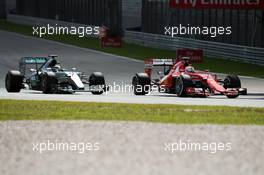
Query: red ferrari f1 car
x,y
179,77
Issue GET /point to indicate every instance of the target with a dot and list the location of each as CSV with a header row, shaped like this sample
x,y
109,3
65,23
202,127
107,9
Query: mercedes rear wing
x,y
31,62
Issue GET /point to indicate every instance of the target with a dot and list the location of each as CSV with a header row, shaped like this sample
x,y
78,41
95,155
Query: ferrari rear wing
x,y
158,62
150,63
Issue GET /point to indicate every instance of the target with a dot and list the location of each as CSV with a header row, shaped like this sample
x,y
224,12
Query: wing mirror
x,y
73,69
161,74
33,70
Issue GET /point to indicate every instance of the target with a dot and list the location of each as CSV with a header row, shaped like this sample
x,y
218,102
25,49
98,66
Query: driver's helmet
x,y
189,69
186,61
57,66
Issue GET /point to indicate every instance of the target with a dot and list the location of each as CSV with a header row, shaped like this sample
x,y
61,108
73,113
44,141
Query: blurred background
x,y
145,16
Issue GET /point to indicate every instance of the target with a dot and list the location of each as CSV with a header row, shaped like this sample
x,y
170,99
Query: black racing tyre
x,y
49,83
97,78
232,81
179,87
243,91
232,96
141,84
13,81
181,83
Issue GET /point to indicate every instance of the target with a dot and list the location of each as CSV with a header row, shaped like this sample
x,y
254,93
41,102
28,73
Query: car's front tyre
x,y
181,83
97,79
232,81
49,83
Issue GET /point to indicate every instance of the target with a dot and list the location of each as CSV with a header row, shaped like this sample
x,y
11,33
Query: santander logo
x,y
218,4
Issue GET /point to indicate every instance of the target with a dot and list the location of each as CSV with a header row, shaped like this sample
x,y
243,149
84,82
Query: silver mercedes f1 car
x,y
45,74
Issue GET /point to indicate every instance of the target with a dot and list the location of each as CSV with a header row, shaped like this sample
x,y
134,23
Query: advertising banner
x,y
196,55
217,4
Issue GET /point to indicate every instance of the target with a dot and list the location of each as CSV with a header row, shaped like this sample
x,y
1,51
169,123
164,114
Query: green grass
x,y
141,53
178,114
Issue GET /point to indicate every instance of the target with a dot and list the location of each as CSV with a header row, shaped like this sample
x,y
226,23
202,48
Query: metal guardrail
x,y
216,49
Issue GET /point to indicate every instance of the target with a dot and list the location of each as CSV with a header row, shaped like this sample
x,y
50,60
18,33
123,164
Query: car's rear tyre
x,y
97,79
49,83
181,83
232,96
141,84
13,81
243,91
232,81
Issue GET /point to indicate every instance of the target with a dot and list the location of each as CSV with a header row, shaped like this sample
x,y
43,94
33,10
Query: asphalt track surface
x,y
115,68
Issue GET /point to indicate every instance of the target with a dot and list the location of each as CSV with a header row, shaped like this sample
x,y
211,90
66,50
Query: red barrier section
x,y
196,55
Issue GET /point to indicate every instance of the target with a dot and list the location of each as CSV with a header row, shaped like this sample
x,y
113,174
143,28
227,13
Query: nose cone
x,y
77,81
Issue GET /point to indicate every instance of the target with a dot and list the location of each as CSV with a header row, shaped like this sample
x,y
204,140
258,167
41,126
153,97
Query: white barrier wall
x,y
252,55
